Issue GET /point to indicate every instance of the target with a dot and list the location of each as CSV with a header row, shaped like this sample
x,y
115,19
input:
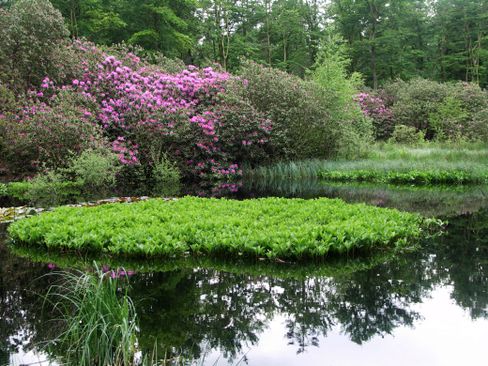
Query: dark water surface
x,y
429,307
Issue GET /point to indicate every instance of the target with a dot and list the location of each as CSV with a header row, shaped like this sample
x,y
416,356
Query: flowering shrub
x,y
144,113
47,135
374,107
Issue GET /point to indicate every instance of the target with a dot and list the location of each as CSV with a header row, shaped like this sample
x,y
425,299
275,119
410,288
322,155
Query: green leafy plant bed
x,y
268,227
406,177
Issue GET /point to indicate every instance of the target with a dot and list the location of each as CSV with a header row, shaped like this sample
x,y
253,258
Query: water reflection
x,y
429,201
190,308
22,324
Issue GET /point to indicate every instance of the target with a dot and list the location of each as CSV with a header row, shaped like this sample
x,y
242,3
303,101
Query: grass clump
x,y
267,227
98,320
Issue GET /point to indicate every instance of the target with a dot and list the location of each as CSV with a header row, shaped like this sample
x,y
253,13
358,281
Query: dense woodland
x,y
386,39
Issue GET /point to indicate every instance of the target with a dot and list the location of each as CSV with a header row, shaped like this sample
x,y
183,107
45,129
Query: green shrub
x,y
309,119
298,109
7,99
268,227
471,97
50,135
47,189
330,72
33,44
351,142
477,126
94,170
18,190
50,189
166,177
449,120
415,101
3,190
443,111
406,135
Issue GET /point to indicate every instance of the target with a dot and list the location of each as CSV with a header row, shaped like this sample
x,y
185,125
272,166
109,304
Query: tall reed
x,y
98,317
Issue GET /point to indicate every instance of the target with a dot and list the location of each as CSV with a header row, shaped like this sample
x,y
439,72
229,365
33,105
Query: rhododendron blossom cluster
x,y
374,107
187,114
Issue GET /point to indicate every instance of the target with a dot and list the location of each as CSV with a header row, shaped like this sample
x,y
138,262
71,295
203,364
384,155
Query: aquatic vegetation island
x,y
267,227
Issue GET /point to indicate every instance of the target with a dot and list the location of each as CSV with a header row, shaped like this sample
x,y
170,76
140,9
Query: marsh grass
x,y
99,319
460,152
424,164
429,201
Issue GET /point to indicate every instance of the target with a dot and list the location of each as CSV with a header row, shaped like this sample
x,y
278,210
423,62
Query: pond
x,y
428,307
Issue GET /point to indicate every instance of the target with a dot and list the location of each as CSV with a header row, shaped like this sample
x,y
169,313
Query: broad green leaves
x,y
269,227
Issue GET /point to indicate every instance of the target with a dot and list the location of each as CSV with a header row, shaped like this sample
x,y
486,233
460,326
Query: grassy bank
x,y
268,227
424,164
430,201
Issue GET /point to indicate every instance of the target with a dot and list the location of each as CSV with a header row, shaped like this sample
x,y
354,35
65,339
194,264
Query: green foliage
x,y
449,120
166,177
50,189
297,108
94,170
17,190
477,129
427,164
305,115
50,135
353,131
442,40
434,162
443,111
353,141
406,135
7,99
33,44
269,227
46,189
92,173
415,101
331,73
160,25
408,177
3,190
99,324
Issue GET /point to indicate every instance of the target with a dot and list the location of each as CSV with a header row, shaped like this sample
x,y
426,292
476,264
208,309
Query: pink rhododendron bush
x,y
142,114
374,107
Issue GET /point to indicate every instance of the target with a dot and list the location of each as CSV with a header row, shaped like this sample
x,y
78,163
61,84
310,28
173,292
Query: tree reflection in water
x,y
189,310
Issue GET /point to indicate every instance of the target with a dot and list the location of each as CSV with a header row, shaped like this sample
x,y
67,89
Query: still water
x,y
428,307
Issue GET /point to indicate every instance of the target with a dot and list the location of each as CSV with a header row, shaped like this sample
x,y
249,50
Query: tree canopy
x,y
386,39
